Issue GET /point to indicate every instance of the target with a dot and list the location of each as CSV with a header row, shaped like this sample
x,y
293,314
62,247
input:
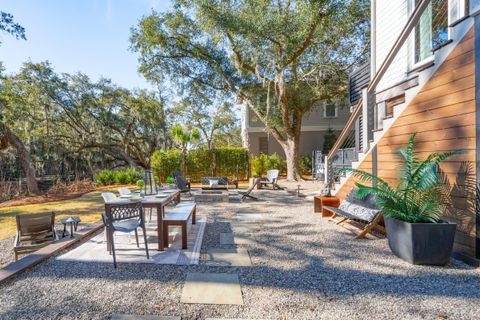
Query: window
x,y
263,145
330,111
432,29
474,6
456,10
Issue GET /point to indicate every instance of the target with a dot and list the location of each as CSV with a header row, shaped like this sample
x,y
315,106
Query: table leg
x,y
160,213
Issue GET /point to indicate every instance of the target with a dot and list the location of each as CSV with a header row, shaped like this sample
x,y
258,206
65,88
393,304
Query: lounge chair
x,y
272,178
247,194
125,218
364,210
182,184
34,231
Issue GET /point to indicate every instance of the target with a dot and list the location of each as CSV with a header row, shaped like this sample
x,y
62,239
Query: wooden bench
x,y
179,216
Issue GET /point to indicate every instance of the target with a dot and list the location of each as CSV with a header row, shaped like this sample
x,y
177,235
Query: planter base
x,y
421,243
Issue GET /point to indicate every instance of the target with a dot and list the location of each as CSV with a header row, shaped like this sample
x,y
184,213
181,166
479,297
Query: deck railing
x,y
359,108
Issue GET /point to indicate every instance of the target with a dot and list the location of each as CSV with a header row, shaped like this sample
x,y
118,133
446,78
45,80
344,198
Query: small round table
x,y
73,222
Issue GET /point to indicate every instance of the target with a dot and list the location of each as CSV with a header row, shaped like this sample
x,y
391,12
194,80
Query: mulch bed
x,y
42,199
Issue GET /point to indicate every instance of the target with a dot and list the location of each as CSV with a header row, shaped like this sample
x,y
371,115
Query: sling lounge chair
x,y
247,194
34,231
364,210
181,183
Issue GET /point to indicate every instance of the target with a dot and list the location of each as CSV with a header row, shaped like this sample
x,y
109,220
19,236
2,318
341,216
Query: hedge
x,y
200,163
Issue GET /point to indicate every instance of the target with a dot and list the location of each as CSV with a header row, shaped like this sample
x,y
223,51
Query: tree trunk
x,y
25,159
291,148
184,160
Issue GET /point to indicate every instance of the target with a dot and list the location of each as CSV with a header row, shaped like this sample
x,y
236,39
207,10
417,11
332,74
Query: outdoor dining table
x,y
150,201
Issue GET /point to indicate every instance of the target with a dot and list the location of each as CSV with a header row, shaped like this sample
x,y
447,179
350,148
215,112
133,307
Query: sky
x,y
90,36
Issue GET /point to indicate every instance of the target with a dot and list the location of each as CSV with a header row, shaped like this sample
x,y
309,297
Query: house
x,y
425,78
315,124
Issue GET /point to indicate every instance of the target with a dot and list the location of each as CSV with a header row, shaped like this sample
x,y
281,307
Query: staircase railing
x,y
349,126
412,21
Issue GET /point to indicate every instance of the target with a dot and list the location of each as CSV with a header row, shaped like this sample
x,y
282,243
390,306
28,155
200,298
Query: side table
x,y
73,222
320,201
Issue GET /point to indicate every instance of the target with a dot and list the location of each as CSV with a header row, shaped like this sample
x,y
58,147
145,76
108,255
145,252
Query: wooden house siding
x,y
443,116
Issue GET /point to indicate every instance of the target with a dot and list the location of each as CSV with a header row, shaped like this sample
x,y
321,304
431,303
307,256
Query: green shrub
x,y
122,176
104,177
262,163
305,165
133,175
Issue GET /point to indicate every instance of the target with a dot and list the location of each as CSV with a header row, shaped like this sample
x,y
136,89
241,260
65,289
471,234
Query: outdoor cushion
x,y
213,183
354,208
126,225
357,211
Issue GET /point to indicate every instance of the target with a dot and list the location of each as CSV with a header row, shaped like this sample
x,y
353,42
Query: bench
x,y
221,183
364,210
179,216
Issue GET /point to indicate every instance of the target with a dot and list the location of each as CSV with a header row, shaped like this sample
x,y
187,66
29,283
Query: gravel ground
x,y
6,252
303,268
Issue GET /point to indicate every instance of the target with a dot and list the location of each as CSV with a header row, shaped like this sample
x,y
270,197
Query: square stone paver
x,y
236,238
229,257
244,227
226,238
244,238
212,288
249,216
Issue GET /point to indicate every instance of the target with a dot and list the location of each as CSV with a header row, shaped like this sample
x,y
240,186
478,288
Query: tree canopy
x,y
277,57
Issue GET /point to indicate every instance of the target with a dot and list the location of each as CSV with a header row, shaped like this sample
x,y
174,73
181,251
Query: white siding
x,y
391,17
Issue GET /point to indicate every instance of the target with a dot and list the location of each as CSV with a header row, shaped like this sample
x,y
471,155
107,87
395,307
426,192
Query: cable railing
x,y
427,20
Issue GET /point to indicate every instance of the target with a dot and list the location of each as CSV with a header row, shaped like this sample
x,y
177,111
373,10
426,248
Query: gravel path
x,y
303,268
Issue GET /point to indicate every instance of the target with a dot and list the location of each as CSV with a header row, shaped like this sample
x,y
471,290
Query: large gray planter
x,y
421,243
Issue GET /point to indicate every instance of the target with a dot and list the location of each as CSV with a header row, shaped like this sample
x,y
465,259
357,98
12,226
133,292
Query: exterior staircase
x,y
440,56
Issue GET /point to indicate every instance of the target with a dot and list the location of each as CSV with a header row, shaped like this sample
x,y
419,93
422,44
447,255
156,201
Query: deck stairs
x,y
440,55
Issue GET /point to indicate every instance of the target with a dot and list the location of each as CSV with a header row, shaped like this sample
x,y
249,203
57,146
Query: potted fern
x,y
413,208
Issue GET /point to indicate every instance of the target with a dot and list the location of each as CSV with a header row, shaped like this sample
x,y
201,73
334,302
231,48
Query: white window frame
x,y
418,65
461,11
325,111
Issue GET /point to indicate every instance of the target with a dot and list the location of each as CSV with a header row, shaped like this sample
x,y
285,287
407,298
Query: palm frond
x,y
418,197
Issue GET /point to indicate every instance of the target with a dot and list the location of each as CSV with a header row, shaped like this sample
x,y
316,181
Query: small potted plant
x,y
140,184
413,208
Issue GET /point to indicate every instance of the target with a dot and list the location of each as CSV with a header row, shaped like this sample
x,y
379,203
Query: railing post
x,y
328,173
358,145
365,121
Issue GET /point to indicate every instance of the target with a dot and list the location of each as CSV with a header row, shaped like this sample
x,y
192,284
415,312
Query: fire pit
x,y
211,195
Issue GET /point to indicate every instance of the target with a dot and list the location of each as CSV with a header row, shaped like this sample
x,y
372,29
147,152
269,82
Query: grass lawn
x,y
88,207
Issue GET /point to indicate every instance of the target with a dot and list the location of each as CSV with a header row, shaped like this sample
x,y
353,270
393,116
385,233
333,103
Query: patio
x,y
290,264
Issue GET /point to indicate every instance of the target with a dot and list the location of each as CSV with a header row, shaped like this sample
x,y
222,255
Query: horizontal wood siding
x,y
443,115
